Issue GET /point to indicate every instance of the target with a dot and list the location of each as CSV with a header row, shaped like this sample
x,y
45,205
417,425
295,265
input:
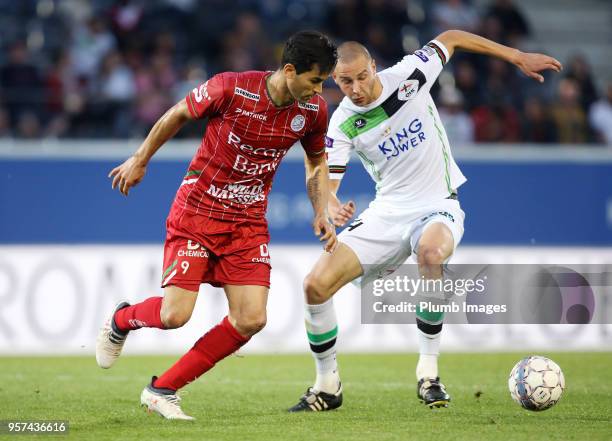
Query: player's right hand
x,y
341,213
326,232
531,64
128,174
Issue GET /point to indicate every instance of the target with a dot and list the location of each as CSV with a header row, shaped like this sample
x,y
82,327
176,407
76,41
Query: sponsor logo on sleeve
x,y
428,50
422,55
407,90
199,93
298,122
329,142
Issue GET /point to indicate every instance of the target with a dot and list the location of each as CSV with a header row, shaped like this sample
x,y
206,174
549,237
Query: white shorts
x,y
384,239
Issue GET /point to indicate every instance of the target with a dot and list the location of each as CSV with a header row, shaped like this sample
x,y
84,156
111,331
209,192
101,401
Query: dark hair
x,y
307,48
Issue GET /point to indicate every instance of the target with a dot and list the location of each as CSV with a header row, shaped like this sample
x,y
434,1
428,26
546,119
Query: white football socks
x,y
322,330
429,349
328,379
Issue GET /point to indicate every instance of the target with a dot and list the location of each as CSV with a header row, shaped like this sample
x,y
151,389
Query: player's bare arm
x,y
529,63
132,171
317,185
339,212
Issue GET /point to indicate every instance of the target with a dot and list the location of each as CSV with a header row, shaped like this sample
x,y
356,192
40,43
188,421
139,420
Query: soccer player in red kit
x,y
216,230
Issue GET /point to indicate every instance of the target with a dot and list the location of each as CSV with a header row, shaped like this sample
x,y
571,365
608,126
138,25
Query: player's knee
x,y
174,318
431,255
315,289
250,325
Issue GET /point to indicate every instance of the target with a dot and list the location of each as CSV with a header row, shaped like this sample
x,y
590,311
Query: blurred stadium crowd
x,y
110,68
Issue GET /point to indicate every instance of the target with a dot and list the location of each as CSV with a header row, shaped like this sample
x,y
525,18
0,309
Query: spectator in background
x,y
5,125
467,83
90,44
537,126
502,84
568,114
28,125
154,84
385,19
57,81
454,14
496,123
512,22
116,90
346,19
600,117
580,71
246,45
458,124
192,76
21,87
377,23
491,28
160,41
125,17
61,85
382,49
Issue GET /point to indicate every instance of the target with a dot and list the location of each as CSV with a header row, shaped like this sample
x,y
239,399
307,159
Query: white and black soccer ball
x,y
536,383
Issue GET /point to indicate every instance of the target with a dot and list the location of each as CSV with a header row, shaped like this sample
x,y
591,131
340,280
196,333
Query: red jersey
x,y
247,136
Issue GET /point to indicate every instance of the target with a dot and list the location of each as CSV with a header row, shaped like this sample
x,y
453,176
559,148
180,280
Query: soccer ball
x,y
536,383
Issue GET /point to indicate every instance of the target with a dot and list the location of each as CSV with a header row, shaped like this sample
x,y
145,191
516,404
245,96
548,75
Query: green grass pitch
x,y
244,398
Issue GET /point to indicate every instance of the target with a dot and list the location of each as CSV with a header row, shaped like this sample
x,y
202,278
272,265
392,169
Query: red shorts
x,y
203,250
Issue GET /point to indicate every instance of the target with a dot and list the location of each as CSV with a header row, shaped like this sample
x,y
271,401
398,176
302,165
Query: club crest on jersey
x,y
329,142
360,123
298,122
407,90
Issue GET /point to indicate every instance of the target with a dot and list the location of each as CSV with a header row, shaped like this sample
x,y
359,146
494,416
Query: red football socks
x,y
221,341
142,315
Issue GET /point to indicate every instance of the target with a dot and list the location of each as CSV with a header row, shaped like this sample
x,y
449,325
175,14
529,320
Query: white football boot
x,y
164,402
110,341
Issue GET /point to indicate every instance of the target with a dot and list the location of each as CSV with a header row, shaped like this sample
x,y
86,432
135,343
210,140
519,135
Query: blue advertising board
x,y
70,201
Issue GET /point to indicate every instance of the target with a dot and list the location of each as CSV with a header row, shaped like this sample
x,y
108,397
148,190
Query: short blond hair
x,y
351,50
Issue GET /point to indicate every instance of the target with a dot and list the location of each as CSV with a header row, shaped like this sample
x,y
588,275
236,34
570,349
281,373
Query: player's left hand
x,y
341,213
531,63
325,230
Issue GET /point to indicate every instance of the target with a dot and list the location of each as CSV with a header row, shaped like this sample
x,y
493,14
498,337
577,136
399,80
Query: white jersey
x,y
399,137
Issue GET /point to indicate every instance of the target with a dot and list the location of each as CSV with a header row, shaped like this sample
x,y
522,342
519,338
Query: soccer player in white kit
x,y
391,122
